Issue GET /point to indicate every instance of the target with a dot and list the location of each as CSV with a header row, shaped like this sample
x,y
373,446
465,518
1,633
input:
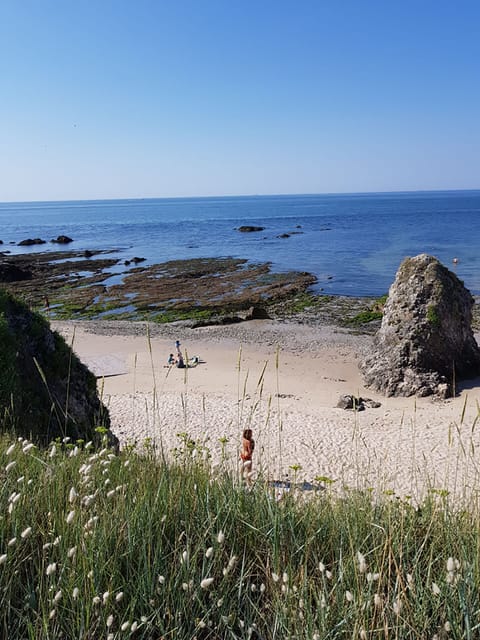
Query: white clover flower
x,y
26,532
75,593
105,596
275,577
220,537
70,517
362,564
209,552
10,449
3,558
58,597
206,583
349,596
10,465
51,568
109,621
119,596
435,588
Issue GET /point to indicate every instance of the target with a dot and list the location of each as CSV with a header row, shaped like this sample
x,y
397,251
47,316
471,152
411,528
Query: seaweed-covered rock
x,y
425,343
45,391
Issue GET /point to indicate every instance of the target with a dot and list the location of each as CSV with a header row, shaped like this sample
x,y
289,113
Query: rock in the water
x,y
31,241
45,391
248,228
425,343
62,239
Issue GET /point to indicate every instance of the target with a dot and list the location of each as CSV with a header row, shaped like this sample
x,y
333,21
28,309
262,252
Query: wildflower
x,y
3,558
70,517
26,532
397,607
10,465
435,588
105,596
71,552
125,626
349,596
206,582
362,565
209,552
73,495
11,542
75,593
119,596
109,621
52,567
10,449
220,537
373,577
58,597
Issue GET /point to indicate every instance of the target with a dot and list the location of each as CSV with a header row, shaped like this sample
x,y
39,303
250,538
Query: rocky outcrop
x,y
248,228
45,391
11,273
62,239
31,241
425,343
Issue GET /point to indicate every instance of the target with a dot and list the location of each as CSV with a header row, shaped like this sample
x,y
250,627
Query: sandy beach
x,y
283,380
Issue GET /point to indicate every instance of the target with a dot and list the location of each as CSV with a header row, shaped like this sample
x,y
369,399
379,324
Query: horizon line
x,y
244,195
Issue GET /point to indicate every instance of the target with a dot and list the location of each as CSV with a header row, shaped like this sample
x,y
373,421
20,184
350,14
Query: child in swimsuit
x,y
248,445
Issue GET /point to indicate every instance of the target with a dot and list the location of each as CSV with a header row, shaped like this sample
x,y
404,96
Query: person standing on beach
x,y
248,445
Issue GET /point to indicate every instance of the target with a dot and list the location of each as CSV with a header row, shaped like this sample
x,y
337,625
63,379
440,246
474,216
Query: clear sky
x,y
152,98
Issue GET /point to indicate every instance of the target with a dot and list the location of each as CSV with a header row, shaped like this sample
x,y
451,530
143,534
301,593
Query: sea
x,y
353,243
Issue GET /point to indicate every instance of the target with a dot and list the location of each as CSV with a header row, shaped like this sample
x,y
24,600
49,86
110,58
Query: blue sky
x,y
107,99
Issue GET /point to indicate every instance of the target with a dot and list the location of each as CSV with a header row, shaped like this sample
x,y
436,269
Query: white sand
x,y
407,445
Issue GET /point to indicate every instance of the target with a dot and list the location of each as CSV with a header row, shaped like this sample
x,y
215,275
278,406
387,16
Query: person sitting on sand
x,y
248,445
171,359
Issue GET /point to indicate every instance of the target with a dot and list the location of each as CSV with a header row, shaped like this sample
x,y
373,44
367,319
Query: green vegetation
x,y
93,544
374,312
432,316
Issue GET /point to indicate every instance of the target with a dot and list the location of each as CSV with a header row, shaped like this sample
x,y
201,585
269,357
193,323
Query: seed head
x,y
51,569
209,552
70,517
206,583
109,621
26,532
3,558
75,593
220,537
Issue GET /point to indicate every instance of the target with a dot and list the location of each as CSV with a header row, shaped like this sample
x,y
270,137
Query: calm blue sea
x,y
352,243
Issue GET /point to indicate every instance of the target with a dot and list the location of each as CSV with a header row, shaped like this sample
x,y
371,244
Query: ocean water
x,y
353,243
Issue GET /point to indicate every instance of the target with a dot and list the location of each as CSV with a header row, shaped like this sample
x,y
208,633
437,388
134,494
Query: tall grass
x,y
97,545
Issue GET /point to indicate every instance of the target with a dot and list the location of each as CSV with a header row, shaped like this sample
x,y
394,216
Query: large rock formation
x,y
425,343
45,391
